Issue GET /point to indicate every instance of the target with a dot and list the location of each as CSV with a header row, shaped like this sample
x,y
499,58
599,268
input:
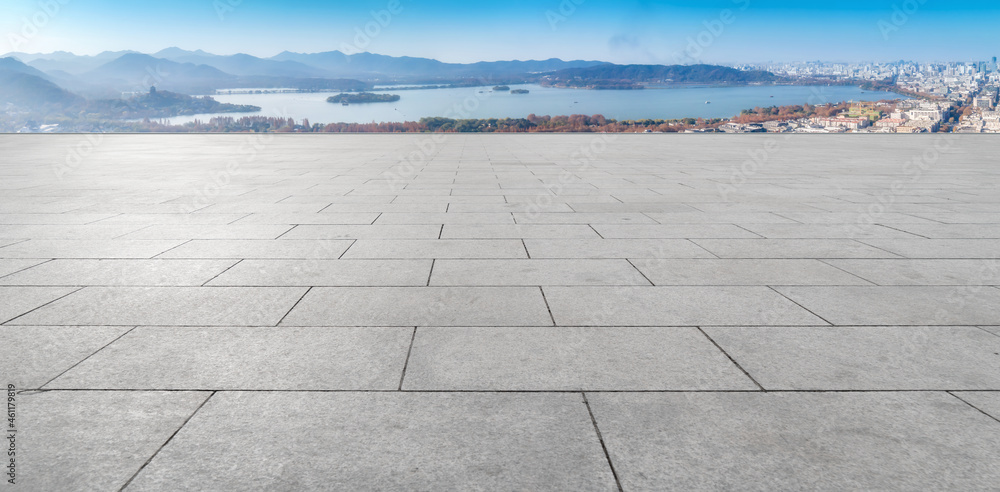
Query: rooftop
x,y
503,312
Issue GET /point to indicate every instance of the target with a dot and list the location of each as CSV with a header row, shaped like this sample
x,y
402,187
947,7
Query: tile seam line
x,y
803,307
951,392
732,359
46,304
547,307
81,361
303,296
165,443
826,261
406,363
600,438
27,268
501,391
230,267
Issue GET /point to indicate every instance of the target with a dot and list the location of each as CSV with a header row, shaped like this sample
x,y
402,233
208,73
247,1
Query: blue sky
x,y
622,31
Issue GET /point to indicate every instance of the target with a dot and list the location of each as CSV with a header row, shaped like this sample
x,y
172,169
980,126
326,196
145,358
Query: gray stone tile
x,y
962,218
865,358
992,329
539,359
615,248
392,441
329,273
69,218
719,218
94,440
672,231
311,219
447,218
8,267
263,231
168,306
508,207
377,208
792,248
825,231
933,248
743,272
611,205
97,249
900,305
797,441
924,272
535,272
120,272
172,219
988,402
246,358
518,231
582,218
15,301
954,231
851,218
418,231
436,248
32,355
260,249
62,231
673,306
420,306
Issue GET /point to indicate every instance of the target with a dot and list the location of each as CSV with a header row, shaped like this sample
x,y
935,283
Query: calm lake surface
x,y
481,102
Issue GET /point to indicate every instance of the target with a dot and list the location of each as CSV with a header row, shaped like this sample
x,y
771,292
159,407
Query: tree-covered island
x,y
362,97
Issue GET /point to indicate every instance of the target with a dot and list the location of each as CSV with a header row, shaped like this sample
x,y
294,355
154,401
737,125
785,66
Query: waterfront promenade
x,y
501,312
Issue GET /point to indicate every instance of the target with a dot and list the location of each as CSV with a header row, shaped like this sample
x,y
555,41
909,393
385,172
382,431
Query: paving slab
x,y
71,231
32,355
418,231
797,441
246,358
120,272
923,272
672,231
170,219
954,231
934,248
16,301
720,218
535,272
615,248
168,306
86,440
398,441
97,249
446,218
329,273
826,231
674,306
8,267
569,358
865,358
259,249
69,218
540,217
517,231
743,272
420,306
436,248
912,305
793,248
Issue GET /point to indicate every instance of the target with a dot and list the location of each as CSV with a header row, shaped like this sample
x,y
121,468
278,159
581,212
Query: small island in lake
x,y
519,91
501,88
362,97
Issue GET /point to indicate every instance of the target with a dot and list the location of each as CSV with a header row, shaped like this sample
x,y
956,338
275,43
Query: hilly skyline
x,y
623,31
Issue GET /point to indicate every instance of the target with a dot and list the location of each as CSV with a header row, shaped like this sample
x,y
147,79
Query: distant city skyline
x,y
625,31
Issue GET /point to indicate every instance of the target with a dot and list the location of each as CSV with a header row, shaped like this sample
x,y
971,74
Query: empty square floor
x,y
501,312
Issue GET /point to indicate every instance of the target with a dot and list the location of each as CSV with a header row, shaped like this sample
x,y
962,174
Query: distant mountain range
x,y
624,76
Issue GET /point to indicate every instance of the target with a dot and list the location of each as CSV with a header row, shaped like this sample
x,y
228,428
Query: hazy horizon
x,y
636,31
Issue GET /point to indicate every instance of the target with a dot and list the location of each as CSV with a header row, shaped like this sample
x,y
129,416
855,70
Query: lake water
x,y
481,102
